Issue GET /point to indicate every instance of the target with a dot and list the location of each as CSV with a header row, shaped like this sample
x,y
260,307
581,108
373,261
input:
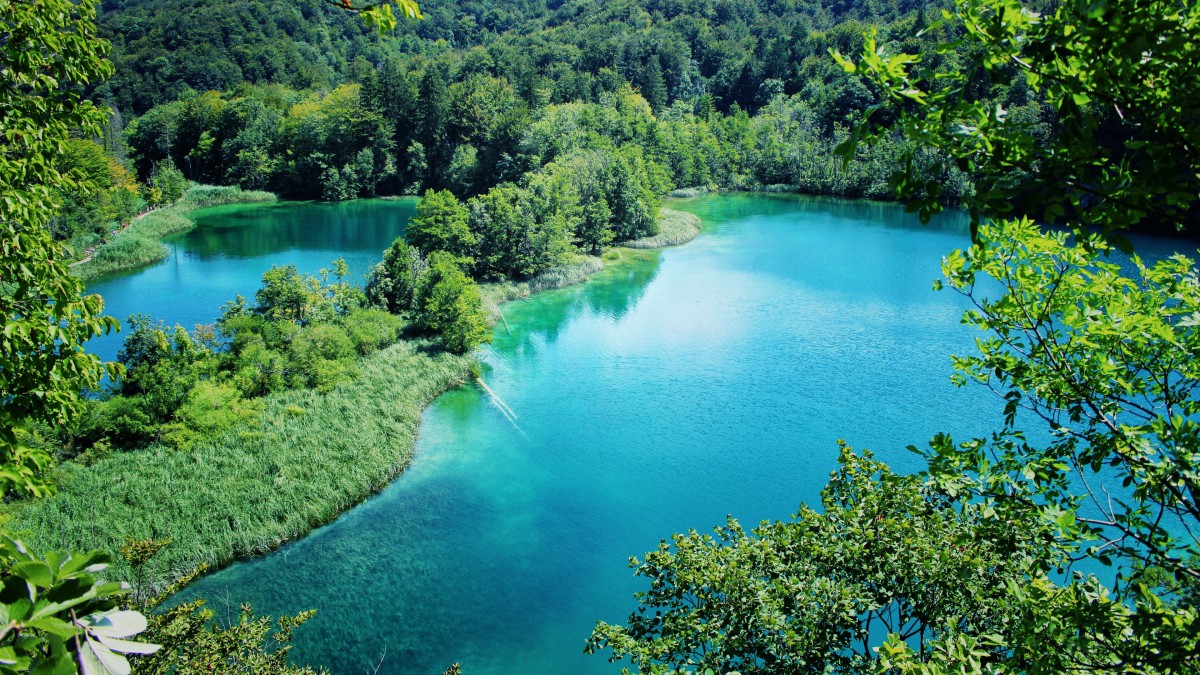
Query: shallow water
x,y
705,380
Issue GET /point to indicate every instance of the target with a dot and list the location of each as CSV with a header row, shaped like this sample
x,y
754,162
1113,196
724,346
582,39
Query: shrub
x,y
372,329
210,410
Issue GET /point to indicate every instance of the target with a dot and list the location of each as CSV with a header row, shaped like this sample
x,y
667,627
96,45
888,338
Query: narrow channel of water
x,y
705,380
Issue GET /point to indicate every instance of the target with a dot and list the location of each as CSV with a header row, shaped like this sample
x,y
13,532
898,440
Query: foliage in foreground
x,y
48,49
1098,353
885,554
58,611
1122,80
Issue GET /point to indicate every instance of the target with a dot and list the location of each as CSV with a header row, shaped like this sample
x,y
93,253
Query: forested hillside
x,y
302,100
669,49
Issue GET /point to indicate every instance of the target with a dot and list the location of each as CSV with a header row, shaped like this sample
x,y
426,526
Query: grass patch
x,y
307,458
674,228
689,192
141,243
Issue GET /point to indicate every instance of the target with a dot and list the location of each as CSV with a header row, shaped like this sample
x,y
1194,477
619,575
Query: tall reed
x,y
140,243
309,457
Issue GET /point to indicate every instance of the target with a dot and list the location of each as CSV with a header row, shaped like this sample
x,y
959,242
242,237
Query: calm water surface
x,y
230,248
705,380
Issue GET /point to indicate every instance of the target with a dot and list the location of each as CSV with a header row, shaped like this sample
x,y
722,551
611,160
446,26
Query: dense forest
x,y
305,101
302,100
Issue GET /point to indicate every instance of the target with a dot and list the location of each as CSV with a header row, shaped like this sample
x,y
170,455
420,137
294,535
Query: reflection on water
x,y
255,231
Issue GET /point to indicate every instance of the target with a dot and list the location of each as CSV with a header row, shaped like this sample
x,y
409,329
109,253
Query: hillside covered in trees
x,y
302,100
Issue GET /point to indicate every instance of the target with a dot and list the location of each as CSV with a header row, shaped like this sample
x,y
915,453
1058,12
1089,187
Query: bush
x,y
452,307
322,355
372,329
122,421
210,410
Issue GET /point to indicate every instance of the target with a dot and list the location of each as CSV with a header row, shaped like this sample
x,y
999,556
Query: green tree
x,y
288,295
169,183
395,281
452,307
595,231
441,225
49,53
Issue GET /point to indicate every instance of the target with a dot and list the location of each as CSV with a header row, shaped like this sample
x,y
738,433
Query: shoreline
x,y
140,243
307,459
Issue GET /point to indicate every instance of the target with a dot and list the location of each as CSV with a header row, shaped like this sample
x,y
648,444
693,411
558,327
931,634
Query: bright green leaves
x,y
891,71
1107,361
48,52
57,614
381,18
1121,78
379,15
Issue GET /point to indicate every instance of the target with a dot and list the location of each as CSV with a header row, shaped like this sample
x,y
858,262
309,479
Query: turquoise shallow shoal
x,y
705,380
230,248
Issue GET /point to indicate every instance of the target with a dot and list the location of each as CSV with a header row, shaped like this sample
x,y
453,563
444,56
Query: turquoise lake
x,y
230,248
709,379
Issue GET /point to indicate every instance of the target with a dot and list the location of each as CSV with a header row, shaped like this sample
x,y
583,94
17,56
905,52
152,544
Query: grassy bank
x,y
309,456
141,243
674,228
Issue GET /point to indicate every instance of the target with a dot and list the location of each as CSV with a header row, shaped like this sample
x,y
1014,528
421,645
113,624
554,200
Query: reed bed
x,y
309,457
573,272
689,192
140,244
674,228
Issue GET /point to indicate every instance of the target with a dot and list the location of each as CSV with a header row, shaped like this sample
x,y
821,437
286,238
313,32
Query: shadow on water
x,y
862,213
261,230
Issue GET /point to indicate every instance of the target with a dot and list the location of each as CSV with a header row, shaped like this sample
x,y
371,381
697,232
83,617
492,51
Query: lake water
x,y
230,248
709,379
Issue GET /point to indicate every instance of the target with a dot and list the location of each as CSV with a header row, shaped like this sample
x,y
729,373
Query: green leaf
x,y
37,573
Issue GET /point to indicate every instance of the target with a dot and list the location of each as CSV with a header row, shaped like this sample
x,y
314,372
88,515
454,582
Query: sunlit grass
x,y
575,271
674,228
309,457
